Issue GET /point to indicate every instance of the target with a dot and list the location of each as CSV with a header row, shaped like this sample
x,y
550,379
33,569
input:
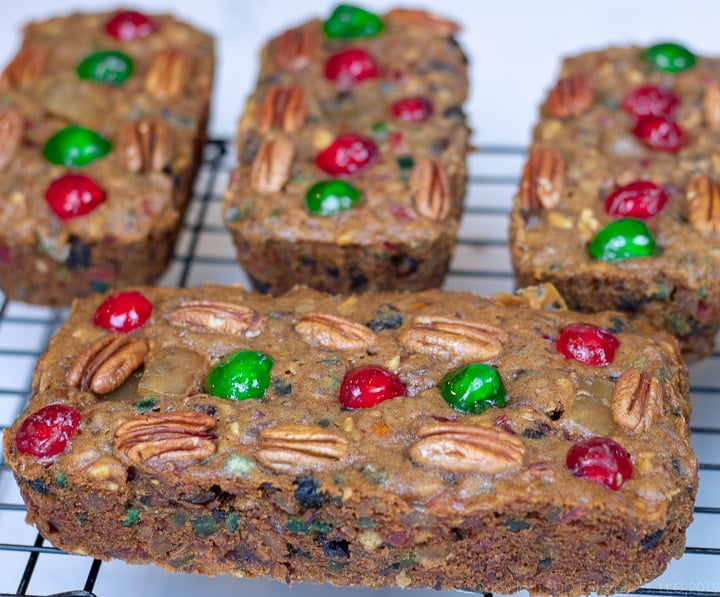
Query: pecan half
x,y
293,448
467,448
702,200
711,105
144,145
270,169
283,108
11,131
107,363
27,66
637,400
431,190
217,316
571,96
293,49
168,73
419,18
173,436
542,179
334,333
454,338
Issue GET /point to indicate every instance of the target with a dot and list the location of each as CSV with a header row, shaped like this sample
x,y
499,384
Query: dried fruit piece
x,y
272,164
26,67
404,17
283,108
412,109
168,73
431,190
328,197
367,386
218,317
108,66
145,145
107,363
294,448
650,100
450,337
127,25
542,179
158,438
334,333
473,388
622,239
601,460
240,375
702,199
123,312
73,195
571,96
349,67
467,448
660,133
293,49
352,22
347,154
669,57
587,344
711,105
11,131
637,400
47,432
75,146
640,199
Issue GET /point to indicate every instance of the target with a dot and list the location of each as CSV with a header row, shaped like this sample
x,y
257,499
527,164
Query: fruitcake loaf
x,y
351,172
429,439
619,204
102,123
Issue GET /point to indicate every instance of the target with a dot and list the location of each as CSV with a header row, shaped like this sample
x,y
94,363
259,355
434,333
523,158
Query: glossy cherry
x,y
347,154
73,195
46,432
351,22
587,344
240,375
661,133
75,146
601,460
626,238
669,57
130,24
650,100
328,197
348,67
107,66
368,386
123,312
473,388
640,199
412,109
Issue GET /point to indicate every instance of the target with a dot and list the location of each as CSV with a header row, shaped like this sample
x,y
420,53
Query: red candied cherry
x,y
46,432
412,109
601,460
588,344
650,100
368,386
349,67
661,133
640,199
73,195
347,154
130,24
123,312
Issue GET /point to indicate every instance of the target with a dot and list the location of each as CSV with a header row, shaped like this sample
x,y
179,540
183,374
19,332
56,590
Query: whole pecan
x,y
453,337
467,448
334,333
294,448
169,73
11,131
179,436
283,108
218,316
702,200
26,67
711,105
637,400
404,17
144,145
107,363
542,180
571,96
271,167
431,190
294,48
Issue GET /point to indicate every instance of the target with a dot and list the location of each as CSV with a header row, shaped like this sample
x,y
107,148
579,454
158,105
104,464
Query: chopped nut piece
x,y
405,17
144,145
271,167
637,401
27,66
284,109
431,190
293,49
218,317
571,96
334,333
169,73
294,448
11,130
702,196
542,179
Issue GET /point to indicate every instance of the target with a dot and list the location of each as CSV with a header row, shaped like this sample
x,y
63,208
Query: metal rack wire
x,y
204,252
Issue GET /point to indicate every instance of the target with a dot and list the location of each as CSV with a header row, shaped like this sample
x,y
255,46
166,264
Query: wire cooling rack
x,y
30,566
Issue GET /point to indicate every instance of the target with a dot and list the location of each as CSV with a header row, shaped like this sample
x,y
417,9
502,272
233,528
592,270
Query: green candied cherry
x,y
351,22
473,388
669,57
240,375
75,146
108,66
329,197
622,239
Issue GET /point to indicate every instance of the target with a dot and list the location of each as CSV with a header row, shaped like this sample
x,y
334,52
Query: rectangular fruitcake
x,y
102,124
430,439
351,172
619,204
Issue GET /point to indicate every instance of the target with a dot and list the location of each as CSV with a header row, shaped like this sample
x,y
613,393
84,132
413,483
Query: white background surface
x,y
514,48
